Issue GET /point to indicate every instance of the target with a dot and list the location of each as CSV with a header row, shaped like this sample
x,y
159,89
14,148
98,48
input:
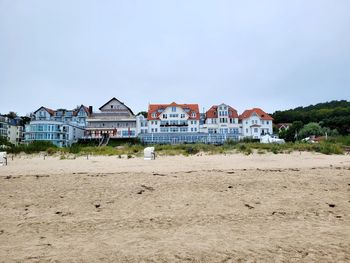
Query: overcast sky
x,y
269,54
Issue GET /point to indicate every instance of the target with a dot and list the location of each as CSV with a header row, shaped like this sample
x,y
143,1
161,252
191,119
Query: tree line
x,y
333,116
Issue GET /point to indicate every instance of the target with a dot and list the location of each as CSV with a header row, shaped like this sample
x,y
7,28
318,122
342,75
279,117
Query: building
x,y
221,119
255,123
11,129
15,131
115,120
141,125
61,127
177,123
283,126
3,126
173,118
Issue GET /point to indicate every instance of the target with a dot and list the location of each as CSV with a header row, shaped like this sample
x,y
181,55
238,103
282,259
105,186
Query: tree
x,y
291,134
11,115
143,113
311,128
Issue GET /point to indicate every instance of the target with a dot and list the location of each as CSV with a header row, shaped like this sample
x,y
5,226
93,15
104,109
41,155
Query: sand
x,y
233,208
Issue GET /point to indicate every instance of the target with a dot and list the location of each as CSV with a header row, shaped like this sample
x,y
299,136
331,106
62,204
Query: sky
x,y
271,54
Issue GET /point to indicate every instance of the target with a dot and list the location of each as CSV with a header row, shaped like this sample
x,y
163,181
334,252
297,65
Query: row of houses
x,y
164,123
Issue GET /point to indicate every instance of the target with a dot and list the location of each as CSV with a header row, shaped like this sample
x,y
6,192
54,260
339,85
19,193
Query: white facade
x,y
15,134
255,126
173,118
221,119
11,130
141,125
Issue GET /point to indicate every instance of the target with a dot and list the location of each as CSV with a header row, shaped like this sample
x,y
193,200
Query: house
x,y
141,124
61,127
11,129
283,126
115,120
15,131
255,122
172,123
173,118
221,119
3,126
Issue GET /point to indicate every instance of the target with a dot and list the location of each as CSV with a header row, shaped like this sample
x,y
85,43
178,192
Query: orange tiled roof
x,y
213,112
86,109
52,112
262,114
154,108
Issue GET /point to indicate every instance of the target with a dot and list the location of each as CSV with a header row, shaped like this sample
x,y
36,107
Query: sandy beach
x,y
205,208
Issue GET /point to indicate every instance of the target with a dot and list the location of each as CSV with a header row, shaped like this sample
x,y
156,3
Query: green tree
x,y
311,128
144,113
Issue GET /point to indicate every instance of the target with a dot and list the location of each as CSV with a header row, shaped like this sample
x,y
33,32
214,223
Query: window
x,y
262,122
182,116
255,130
246,130
173,109
165,116
183,129
193,114
154,115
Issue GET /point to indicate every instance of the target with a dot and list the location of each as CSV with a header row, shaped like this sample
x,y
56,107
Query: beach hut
x,y
149,153
3,158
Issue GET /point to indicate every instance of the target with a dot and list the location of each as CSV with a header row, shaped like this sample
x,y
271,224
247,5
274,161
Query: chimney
x,y
90,109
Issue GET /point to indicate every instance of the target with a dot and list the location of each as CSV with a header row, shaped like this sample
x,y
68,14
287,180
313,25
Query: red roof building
x,y
221,119
173,118
255,123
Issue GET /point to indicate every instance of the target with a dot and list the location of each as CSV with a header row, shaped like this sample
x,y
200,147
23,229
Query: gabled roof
x,y
262,114
86,109
159,108
50,111
114,98
213,112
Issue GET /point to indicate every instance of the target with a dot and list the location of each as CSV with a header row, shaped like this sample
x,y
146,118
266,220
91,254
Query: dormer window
x,y
193,114
154,115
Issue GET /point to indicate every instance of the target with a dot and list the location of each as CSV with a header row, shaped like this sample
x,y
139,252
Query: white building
x,y
11,129
141,125
221,119
61,127
115,120
173,118
15,134
255,123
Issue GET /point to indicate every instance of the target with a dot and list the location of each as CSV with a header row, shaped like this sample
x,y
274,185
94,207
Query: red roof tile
x,y
154,108
213,112
262,114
